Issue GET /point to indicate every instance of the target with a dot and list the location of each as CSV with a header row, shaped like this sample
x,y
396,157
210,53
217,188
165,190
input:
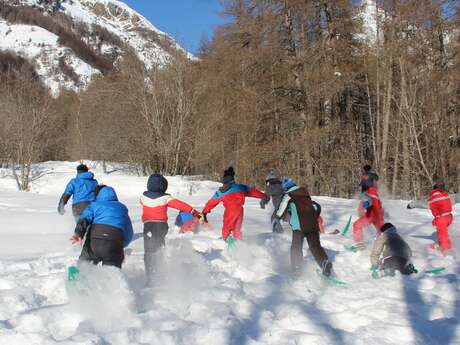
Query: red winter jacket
x,y
440,203
233,197
374,210
155,207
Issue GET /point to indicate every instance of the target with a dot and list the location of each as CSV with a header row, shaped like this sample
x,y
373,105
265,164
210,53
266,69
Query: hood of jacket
x,y
107,194
157,183
297,191
85,175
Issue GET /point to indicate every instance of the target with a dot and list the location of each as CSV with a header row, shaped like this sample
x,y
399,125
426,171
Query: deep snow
x,y
207,295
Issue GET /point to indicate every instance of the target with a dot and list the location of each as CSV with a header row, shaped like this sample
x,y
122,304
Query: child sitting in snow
x,y
186,222
391,253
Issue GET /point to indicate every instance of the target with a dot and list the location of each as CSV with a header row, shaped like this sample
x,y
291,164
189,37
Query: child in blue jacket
x,y
81,189
107,227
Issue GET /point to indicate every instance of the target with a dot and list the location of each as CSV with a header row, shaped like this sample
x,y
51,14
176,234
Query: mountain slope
x,y
71,41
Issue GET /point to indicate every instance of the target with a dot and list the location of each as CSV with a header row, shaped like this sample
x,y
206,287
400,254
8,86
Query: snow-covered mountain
x,y
70,41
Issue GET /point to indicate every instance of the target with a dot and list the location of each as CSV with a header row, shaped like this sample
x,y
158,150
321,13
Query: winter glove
x,y
80,229
203,217
366,204
262,204
62,202
410,268
374,272
409,206
61,209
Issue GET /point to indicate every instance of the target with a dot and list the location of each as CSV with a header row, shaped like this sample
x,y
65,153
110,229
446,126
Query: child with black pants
x,y
304,214
106,227
155,203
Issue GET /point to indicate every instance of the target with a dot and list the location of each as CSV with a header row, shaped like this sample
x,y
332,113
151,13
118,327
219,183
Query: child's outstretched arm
x,y
213,202
182,206
283,207
377,250
255,193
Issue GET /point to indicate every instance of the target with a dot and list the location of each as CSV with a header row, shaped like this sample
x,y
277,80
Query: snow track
x,y
207,295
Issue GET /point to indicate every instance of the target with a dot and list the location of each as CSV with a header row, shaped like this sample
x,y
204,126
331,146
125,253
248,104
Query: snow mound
x,y
101,296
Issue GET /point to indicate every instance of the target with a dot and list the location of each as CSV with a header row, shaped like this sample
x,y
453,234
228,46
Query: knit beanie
x,y
82,168
229,176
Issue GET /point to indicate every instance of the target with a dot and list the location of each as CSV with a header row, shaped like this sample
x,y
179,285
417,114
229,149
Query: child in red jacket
x,y
233,196
441,208
371,212
155,203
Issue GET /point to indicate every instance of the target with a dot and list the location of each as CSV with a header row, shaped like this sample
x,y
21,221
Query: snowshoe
x,y
231,242
356,247
330,279
72,273
436,270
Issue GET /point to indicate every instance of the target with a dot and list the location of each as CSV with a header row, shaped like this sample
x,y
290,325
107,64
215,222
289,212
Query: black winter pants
x,y
276,224
104,244
77,210
154,240
396,263
314,245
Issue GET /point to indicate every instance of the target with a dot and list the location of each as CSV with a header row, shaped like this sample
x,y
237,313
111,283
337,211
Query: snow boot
x,y
409,269
326,268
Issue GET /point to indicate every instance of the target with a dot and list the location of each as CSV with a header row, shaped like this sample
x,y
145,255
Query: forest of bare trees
x,y
300,86
293,85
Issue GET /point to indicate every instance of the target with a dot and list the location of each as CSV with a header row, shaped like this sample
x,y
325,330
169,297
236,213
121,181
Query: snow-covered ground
x,y
207,295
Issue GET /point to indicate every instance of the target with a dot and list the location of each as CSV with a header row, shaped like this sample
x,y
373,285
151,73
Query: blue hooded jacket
x,y
81,188
107,210
182,218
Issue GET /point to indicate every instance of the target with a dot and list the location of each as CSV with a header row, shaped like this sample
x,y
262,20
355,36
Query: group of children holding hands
x,y
104,224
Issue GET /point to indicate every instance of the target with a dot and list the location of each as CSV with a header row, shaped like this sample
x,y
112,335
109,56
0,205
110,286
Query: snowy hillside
x,y
88,18
40,47
206,294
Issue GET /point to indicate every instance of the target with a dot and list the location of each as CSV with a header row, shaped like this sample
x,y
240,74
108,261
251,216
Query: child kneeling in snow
x,y
391,253
186,222
155,203
107,227
304,214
